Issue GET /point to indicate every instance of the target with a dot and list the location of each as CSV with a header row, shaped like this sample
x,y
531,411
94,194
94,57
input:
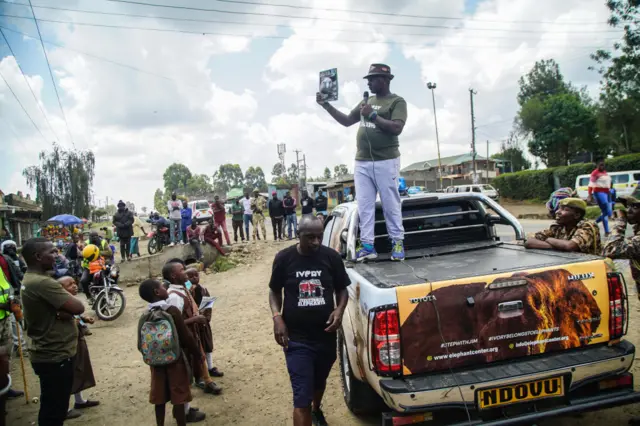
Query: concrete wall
x,y
145,267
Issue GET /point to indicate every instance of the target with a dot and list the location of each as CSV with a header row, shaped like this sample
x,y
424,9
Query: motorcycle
x,y
108,299
158,238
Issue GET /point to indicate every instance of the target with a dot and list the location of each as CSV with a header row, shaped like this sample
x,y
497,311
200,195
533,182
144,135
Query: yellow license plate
x,y
521,392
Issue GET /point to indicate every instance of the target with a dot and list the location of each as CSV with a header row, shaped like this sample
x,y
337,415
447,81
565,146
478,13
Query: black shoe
x,y
87,404
214,372
213,389
195,416
73,414
317,418
11,394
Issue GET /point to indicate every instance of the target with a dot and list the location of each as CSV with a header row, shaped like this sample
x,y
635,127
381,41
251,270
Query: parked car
x,y
485,189
201,210
625,183
472,330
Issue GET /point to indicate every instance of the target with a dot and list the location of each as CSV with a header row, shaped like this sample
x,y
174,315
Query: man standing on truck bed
x,y
620,248
382,118
309,273
570,232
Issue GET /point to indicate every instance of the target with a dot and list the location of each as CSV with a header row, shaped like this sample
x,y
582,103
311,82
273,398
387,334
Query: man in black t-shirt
x,y
307,204
310,274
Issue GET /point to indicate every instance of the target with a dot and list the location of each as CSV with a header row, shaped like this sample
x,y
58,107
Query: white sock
x,y
79,398
187,406
209,357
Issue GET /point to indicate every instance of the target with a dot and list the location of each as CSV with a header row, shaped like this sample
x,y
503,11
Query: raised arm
x,y
340,117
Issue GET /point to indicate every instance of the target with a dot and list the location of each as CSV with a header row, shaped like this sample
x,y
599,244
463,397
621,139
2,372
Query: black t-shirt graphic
x,y
307,205
309,283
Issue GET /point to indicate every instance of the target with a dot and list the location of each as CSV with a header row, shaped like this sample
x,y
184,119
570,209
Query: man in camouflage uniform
x,y
570,232
619,247
258,205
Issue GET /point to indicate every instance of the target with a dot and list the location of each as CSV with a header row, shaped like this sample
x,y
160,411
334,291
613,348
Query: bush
x,y
530,184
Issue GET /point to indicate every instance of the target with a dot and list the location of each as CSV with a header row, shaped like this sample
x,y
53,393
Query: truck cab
x,y
469,329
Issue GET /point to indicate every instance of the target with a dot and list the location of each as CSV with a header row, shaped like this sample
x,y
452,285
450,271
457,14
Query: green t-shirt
x,y
53,339
237,211
384,146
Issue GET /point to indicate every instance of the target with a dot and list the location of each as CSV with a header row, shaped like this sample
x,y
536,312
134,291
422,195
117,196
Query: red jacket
x,y
219,213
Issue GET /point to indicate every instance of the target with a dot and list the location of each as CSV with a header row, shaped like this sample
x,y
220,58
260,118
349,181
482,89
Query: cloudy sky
x,y
226,85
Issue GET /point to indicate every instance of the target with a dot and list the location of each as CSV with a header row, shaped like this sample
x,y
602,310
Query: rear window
x,y
202,205
583,181
476,189
636,176
488,188
620,178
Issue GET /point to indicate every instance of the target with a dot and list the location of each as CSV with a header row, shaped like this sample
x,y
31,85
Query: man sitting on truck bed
x,y
570,232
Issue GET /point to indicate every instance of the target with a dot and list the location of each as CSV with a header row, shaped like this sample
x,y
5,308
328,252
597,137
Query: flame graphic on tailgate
x,y
555,313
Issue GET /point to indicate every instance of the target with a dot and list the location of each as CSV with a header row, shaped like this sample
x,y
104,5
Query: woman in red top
x,y
599,185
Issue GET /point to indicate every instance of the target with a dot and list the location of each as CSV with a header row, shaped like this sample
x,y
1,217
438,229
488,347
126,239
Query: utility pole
x,y
282,149
432,87
487,162
297,151
473,133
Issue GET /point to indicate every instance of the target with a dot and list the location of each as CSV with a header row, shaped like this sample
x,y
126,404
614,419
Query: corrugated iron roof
x,y
445,161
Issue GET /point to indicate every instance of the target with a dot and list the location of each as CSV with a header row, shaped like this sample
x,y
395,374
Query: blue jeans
x,y
248,218
292,220
602,198
175,227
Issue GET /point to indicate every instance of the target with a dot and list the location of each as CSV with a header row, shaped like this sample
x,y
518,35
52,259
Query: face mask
x,y
188,285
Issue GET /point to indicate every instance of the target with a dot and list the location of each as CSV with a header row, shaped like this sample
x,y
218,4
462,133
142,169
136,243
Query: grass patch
x,y
222,264
534,201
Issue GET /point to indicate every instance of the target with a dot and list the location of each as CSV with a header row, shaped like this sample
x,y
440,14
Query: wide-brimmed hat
x,y
379,69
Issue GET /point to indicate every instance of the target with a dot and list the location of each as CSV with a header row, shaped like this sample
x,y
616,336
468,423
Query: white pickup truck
x,y
470,330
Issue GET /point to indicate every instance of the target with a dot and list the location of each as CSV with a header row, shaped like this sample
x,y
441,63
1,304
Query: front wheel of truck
x,y
359,396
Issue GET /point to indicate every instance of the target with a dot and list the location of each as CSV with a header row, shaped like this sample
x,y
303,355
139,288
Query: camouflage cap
x,y
576,203
629,199
256,190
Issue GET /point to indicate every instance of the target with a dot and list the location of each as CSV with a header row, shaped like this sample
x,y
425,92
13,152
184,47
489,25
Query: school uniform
x,y
82,370
204,331
172,383
181,299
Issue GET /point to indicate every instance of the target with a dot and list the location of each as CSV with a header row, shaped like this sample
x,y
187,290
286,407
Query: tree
x,y
62,181
98,213
327,173
293,174
558,119
559,127
228,176
176,177
277,172
144,210
111,209
544,79
199,185
254,178
512,151
620,90
159,204
340,170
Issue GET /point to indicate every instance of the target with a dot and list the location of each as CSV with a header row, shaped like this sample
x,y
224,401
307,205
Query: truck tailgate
x,y
484,319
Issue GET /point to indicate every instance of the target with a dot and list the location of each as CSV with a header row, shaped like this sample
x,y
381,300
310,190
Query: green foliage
x,y
159,203
144,210
292,173
176,177
511,150
199,185
327,173
593,212
254,178
222,264
111,209
228,176
277,172
531,184
63,181
340,170
544,79
98,213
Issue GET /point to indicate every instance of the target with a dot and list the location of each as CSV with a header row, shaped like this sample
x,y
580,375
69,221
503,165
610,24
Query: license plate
x,y
521,392
203,211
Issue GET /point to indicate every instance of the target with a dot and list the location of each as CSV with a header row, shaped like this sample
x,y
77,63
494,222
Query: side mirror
x,y
494,219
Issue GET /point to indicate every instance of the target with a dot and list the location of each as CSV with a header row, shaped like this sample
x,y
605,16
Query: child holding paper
x,y
206,335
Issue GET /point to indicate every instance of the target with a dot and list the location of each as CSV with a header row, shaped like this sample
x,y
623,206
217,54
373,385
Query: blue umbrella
x,y
66,219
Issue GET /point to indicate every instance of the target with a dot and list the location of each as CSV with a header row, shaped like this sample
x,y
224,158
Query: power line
x,y
53,81
23,108
398,15
252,24
35,98
350,21
168,30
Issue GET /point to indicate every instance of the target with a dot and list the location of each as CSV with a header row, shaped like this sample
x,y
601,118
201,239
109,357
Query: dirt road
x,y
256,386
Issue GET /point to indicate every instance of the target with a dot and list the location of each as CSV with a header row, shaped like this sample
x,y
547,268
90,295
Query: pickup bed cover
x,y
463,260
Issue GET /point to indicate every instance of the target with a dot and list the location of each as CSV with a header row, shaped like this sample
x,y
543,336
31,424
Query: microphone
x,y
365,97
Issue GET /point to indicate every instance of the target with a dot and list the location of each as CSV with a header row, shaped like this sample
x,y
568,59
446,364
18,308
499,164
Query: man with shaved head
x,y
306,318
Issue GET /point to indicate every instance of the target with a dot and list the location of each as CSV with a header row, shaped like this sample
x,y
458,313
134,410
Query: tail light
x,y
385,342
617,306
